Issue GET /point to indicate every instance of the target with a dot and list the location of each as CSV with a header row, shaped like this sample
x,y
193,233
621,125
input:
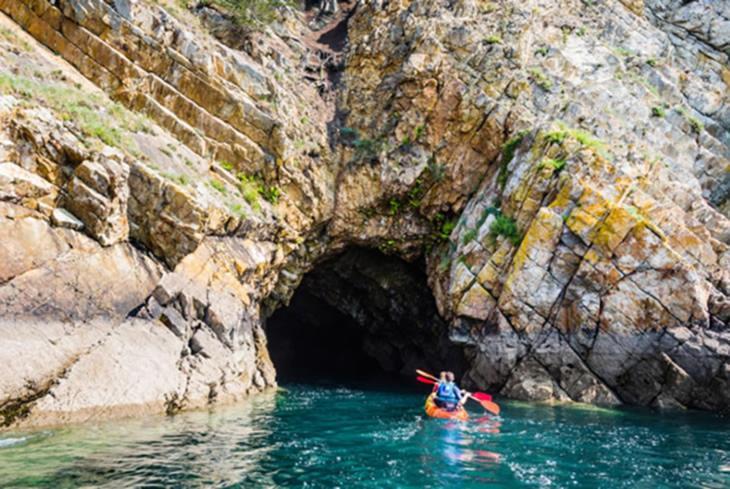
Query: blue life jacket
x,y
447,392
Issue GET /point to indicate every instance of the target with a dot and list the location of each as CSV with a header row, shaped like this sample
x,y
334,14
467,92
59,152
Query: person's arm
x,y
463,396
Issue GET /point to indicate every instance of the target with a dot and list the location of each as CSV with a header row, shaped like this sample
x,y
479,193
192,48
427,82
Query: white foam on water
x,y
10,442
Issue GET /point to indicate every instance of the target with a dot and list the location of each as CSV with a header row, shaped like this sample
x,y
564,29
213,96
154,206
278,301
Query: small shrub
x,y
227,166
505,226
367,148
418,133
658,111
415,194
406,141
446,228
254,13
469,236
394,206
349,133
271,194
696,125
493,39
542,51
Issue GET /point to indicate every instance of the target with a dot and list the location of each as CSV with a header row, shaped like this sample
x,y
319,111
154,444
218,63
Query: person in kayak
x,y
442,379
448,395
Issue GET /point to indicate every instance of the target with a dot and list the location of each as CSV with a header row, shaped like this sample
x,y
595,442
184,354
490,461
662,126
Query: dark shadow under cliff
x,y
359,316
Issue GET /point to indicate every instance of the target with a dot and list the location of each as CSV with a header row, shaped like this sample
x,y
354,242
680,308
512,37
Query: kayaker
x,y
442,379
448,395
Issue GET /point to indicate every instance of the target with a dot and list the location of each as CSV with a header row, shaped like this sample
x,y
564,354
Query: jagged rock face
x,y
591,255
560,166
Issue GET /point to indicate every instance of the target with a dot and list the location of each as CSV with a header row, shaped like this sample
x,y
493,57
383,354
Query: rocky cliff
x,y
558,168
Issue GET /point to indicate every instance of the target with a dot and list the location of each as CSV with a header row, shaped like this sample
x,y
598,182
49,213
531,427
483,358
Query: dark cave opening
x,y
361,317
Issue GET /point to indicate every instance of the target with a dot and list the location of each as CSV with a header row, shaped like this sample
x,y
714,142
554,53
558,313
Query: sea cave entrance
x,y
361,316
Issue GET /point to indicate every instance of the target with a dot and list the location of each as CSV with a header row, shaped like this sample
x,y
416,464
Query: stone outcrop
x,y
165,184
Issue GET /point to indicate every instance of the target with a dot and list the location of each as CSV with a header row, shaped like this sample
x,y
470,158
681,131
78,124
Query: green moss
x,y
493,39
13,38
218,185
556,137
227,166
694,123
181,179
556,164
586,139
237,209
622,52
542,80
250,189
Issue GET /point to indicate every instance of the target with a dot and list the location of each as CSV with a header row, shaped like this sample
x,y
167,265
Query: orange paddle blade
x,y
490,406
425,380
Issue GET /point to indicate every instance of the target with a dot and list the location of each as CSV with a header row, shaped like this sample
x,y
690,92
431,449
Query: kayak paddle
x,y
490,406
427,375
482,396
426,381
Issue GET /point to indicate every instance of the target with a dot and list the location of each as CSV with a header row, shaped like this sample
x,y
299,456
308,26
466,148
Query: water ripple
x,y
342,437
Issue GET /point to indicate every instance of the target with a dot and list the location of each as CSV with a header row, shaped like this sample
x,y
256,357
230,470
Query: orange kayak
x,y
436,412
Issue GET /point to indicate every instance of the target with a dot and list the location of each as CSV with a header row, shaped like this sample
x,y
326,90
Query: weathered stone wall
x,y
585,154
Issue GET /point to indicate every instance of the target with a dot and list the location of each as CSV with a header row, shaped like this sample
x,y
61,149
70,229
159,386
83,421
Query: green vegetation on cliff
x,y
254,13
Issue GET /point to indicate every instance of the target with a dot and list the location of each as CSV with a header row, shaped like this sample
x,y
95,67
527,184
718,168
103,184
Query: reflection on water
x,y
338,437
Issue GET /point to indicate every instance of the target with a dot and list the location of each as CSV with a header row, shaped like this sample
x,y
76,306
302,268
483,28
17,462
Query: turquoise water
x,y
307,436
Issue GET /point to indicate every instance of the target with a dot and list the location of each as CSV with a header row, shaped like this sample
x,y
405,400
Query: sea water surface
x,y
329,436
